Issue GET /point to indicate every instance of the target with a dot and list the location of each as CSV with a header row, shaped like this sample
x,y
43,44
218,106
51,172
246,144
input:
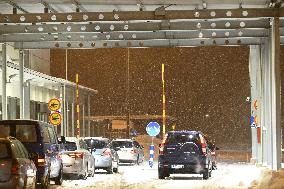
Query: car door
x,y
28,165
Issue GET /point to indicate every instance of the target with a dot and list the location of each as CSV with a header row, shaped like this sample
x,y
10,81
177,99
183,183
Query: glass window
x,y
52,135
4,151
97,144
23,150
122,144
70,146
179,138
136,144
15,150
5,131
26,133
45,135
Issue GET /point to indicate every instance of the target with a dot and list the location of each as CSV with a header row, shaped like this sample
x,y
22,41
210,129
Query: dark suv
x,y
184,152
40,140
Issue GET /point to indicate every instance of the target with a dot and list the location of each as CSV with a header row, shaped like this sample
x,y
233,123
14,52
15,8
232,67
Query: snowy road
x,y
143,177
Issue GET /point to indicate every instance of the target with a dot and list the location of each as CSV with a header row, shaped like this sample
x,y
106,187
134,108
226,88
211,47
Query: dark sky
x,y
200,81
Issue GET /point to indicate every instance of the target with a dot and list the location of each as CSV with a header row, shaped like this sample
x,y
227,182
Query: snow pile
x,y
270,180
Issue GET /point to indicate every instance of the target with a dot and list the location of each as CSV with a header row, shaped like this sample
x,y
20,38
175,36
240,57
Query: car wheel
x,y
115,169
137,162
110,169
59,179
206,174
45,182
162,174
93,172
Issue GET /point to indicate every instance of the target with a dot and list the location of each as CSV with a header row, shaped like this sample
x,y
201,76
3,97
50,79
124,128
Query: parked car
x,y
184,152
40,140
105,156
17,170
77,159
128,150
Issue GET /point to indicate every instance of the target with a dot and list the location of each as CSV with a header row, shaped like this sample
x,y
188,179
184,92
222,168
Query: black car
x,y
40,140
184,152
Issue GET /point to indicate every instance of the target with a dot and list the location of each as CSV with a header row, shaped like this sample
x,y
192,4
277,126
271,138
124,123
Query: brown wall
x,y
199,81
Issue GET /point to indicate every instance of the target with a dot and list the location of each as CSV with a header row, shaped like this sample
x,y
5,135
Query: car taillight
x,y
133,151
161,149
106,153
41,162
15,169
213,153
203,144
76,155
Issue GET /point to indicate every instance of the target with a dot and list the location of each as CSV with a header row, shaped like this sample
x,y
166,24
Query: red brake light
x,y
76,155
15,168
133,151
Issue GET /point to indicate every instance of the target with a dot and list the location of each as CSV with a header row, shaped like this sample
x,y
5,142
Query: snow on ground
x,y
239,176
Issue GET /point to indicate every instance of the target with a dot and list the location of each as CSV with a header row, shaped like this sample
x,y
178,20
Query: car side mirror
x,y
63,139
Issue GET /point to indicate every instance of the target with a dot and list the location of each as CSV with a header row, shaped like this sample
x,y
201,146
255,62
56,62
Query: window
x,y
15,150
45,135
26,133
136,144
96,144
23,150
4,151
122,144
52,135
5,131
70,146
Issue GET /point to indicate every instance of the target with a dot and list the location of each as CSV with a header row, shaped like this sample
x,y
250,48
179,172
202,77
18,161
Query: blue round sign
x,y
153,129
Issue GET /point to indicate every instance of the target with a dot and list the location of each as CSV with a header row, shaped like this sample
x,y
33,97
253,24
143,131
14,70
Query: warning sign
x,y
55,118
54,104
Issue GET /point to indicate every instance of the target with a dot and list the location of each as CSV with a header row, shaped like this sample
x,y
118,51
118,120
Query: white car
x,y
129,151
77,160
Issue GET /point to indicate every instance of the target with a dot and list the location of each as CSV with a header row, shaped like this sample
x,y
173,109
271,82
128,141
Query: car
x,y
128,150
184,152
17,170
41,142
105,156
77,159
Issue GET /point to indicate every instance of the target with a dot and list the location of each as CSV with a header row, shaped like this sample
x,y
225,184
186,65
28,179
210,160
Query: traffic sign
x,y
153,129
54,104
55,118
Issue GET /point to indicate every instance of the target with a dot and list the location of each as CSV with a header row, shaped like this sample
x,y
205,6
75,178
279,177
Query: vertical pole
x,y
83,120
65,97
276,95
21,83
77,107
4,81
62,97
164,100
89,116
127,96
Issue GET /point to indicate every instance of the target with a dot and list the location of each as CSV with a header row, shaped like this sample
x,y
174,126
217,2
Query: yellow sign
x,y
54,104
55,118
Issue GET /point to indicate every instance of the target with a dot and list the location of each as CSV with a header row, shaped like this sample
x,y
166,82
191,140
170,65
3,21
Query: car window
x,y
45,135
122,144
17,153
97,144
4,151
179,138
70,146
5,131
26,133
52,135
22,150
82,145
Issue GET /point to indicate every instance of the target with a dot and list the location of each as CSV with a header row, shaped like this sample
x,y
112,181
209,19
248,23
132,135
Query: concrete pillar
x,y
4,81
21,84
276,95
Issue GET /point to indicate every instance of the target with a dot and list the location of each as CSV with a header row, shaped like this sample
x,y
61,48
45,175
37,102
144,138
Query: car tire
x,y
45,184
110,169
115,169
59,179
93,172
137,161
206,174
162,174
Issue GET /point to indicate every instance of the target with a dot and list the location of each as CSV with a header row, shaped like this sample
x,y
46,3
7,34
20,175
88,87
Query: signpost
x,y
54,104
55,117
153,129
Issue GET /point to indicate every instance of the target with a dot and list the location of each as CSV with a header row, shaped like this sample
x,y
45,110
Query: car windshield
x,y
24,133
4,151
179,138
96,144
122,144
70,146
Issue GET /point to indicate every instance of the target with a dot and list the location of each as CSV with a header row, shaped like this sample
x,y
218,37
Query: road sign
x,y
54,104
55,118
153,129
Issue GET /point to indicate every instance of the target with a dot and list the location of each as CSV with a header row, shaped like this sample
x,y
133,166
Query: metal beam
x,y
142,15
138,26
118,36
4,82
46,5
142,43
15,5
21,84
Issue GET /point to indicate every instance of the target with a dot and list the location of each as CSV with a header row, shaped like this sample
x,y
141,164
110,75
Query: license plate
x,y
177,166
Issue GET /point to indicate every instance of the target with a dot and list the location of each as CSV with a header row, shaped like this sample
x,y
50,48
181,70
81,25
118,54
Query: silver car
x,y
17,170
105,157
128,150
77,160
